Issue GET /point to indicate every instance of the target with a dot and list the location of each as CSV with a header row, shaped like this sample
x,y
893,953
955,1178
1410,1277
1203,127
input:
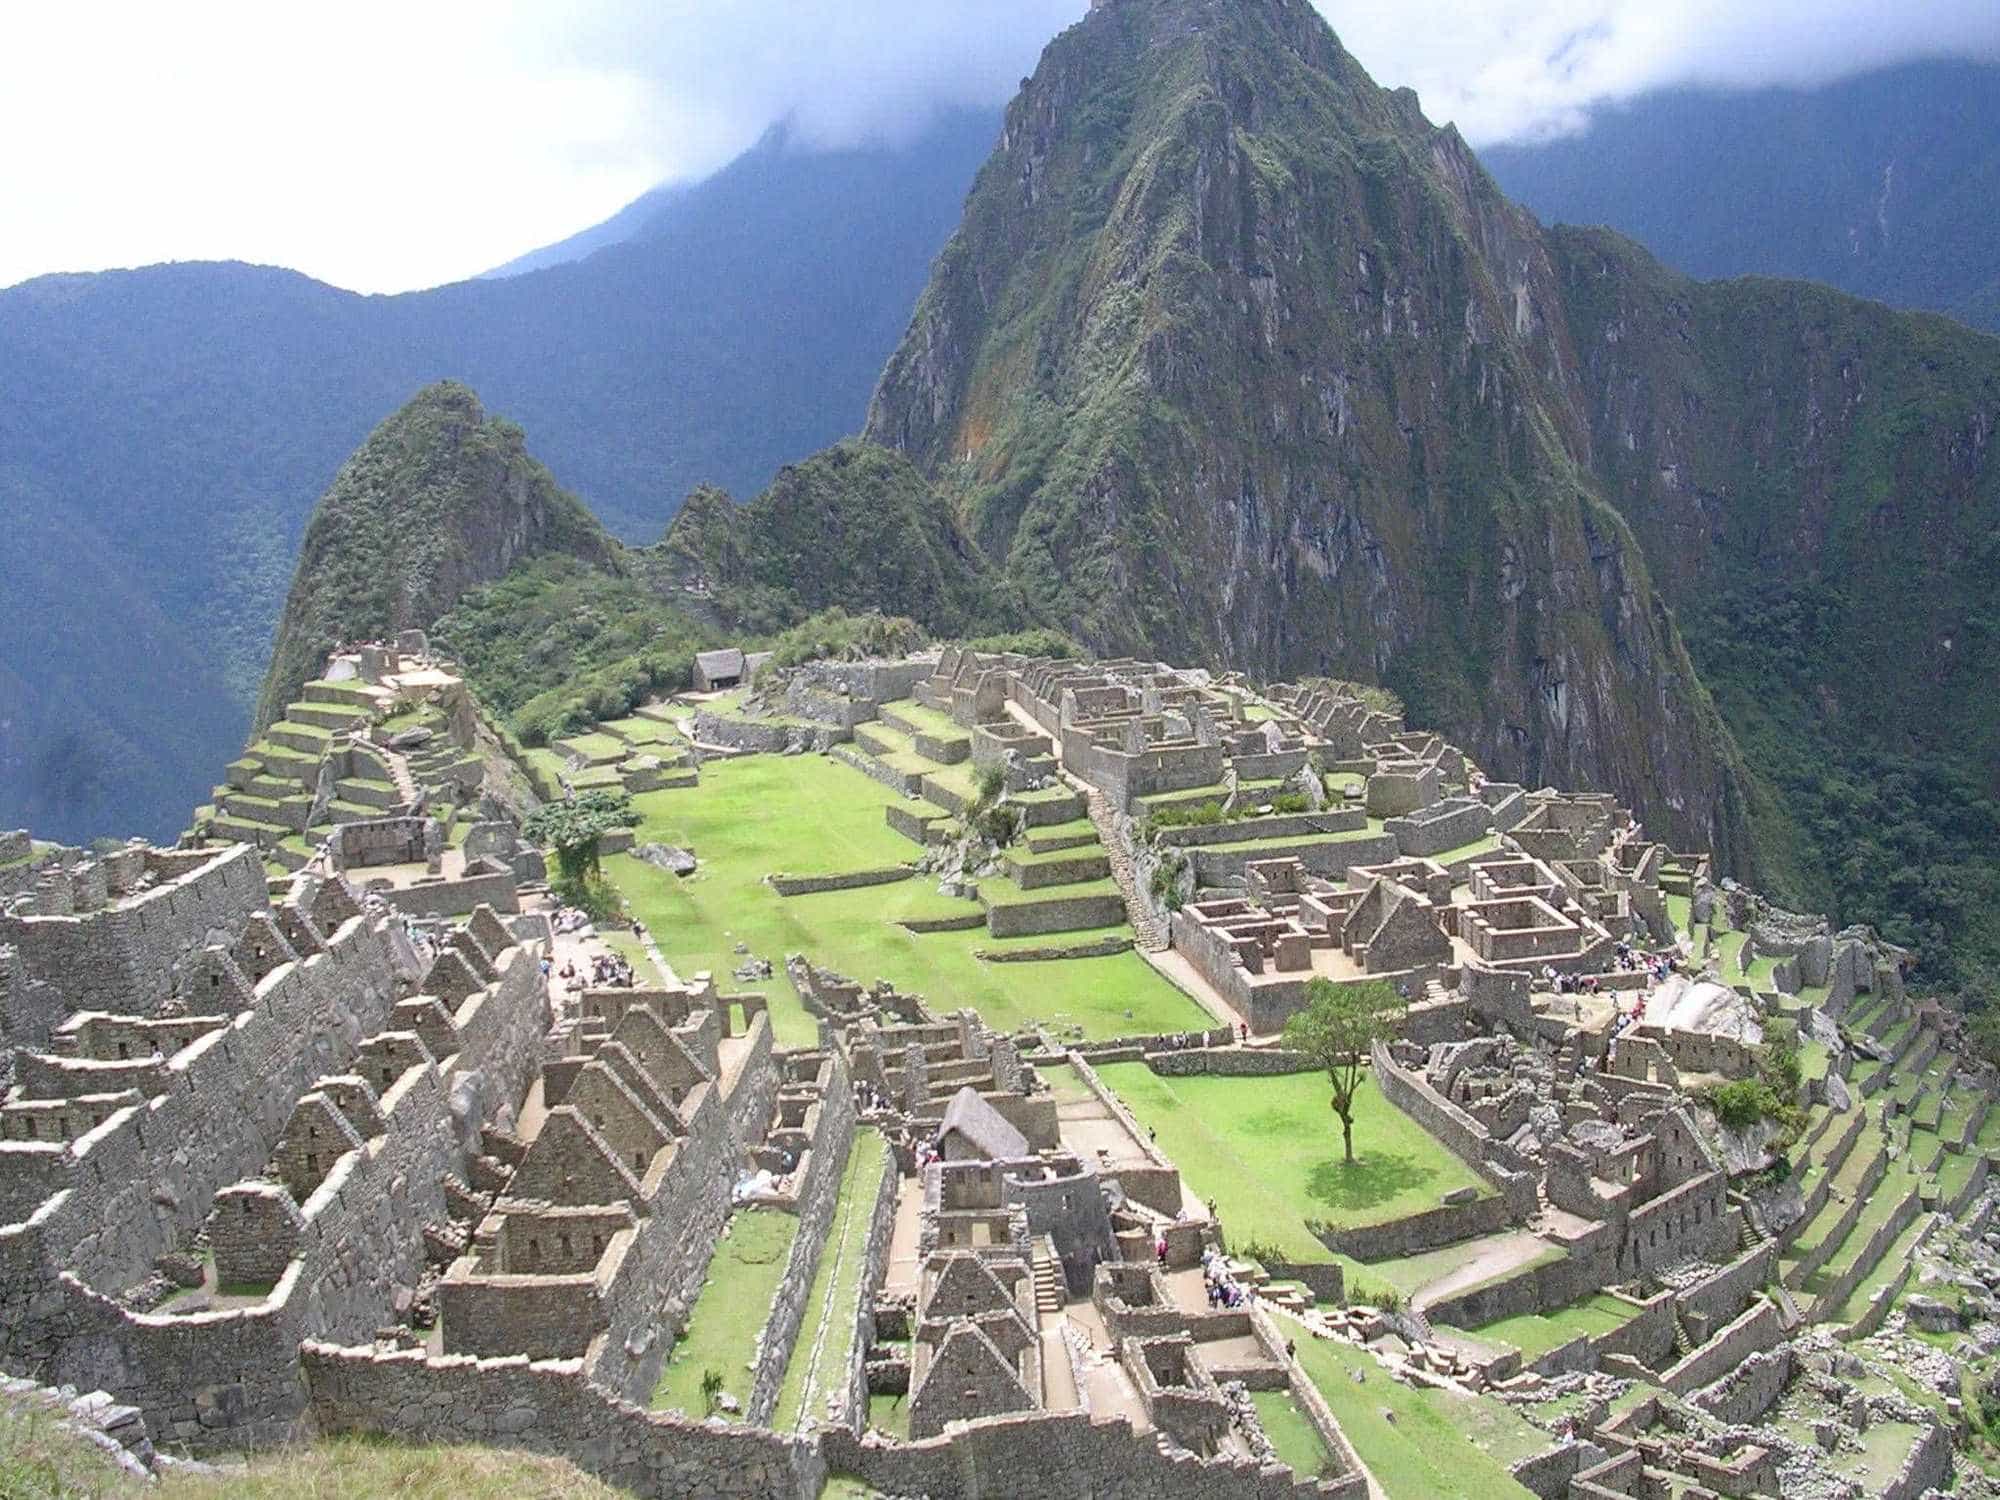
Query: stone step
x,y
335,716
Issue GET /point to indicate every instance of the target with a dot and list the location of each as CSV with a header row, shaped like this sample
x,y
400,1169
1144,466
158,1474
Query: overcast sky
x,y
382,146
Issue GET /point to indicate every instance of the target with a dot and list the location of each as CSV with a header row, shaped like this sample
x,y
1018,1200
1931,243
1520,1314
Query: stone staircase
x,y
1148,930
1683,1345
1051,1292
407,791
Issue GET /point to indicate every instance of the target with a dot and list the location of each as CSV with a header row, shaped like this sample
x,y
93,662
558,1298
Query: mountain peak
x,y
441,498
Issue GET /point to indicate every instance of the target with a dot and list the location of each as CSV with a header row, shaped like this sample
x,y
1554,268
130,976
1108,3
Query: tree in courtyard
x,y
1337,1030
575,828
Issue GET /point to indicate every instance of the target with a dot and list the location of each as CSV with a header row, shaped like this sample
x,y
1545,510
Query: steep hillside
x,y
1817,481
856,526
170,427
440,499
1236,358
1886,185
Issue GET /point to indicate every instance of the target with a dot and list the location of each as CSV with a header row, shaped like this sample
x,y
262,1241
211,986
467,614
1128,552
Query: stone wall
x,y
1462,1135
1746,1392
1277,826
852,880
221,1380
125,958
140,1184
1443,1225
1074,914
1721,1296
457,898
553,1409
1060,1454
1757,1330
1228,1062
825,1165
874,1271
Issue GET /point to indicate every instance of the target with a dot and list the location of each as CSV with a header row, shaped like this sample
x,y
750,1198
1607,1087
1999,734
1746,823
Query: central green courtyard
x,y
1267,1153
811,815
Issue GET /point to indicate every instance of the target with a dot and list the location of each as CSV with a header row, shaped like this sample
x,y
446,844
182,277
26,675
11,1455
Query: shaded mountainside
x,y
1237,359
170,427
1886,185
855,526
1818,482
440,499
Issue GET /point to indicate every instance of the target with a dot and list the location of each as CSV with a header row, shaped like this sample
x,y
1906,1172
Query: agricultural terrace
x,y
810,815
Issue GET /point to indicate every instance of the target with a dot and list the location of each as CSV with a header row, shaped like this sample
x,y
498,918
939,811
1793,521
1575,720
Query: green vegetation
x,y
1296,1440
1535,1334
1419,1444
722,1330
1252,1146
426,510
807,815
826,1339
1337,1030
557,645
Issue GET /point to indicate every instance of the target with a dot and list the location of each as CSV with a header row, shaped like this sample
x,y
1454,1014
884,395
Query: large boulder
x,y
666,857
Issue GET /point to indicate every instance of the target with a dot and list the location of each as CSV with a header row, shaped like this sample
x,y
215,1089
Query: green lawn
x,y
819,1359
1268,1152
1296,1439
735,1300
806,815
1535,1334
1438,1445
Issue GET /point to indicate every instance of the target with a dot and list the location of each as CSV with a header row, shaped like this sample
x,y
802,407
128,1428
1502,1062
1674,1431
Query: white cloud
x,y
1515,69
388,145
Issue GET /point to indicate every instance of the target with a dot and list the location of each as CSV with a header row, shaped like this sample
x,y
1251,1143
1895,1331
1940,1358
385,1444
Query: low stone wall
x,y
1071,868
1757,1330
552,1409
1157,1186
1038,918
1549,1472
1422,836
1830,1242
1886,1233
900,782
1745,1393
1877,1311
852,880
1276,826
1443,1225
1721,1296
1228,1062
456,898
1060,1454
1924,1468
1219,866
917,829
1106,947
874,1271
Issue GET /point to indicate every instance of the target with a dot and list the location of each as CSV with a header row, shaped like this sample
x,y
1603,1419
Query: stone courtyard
x,y
307,1129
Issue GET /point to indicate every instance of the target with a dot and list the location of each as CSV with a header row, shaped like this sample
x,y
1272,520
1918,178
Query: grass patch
x,y
1295,1439
819,1360
808,815
1267,1152
735,1300
1535,1334
890,1414
1438,1444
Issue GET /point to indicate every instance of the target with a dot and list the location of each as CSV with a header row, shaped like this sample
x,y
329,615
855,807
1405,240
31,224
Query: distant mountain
x,y
166,431
1886,185
633,221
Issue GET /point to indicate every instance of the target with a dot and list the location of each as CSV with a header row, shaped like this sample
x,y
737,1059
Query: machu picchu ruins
x,y
1100,764
336,1119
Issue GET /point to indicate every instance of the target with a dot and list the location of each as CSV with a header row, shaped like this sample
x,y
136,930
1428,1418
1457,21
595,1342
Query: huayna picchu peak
x,y
1349,851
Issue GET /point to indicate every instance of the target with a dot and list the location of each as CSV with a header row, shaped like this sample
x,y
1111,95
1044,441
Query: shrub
x,y
1291,802
1200,815
992,782
1741,1103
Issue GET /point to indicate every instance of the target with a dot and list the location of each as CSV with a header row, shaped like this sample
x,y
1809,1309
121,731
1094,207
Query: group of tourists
x,y
1223,1289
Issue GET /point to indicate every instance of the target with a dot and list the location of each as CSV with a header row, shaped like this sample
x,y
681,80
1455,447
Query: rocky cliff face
x,y
441,498
1236,358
